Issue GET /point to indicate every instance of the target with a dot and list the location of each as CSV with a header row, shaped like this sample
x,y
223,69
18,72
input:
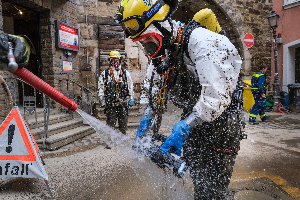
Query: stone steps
x,y
132,117
134,109
57,127
55,118
65,137
39,112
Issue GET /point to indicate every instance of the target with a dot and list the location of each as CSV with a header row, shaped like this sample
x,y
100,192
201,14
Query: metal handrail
x,y
46,118
89,102
87,89
83,87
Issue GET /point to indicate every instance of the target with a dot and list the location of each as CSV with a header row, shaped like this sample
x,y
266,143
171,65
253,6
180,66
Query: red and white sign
x,y
68,37
249,40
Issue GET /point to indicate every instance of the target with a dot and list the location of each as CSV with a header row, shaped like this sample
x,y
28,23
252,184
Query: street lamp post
x,y
273,21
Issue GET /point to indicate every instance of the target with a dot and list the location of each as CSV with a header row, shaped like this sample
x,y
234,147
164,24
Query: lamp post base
x,y
276,92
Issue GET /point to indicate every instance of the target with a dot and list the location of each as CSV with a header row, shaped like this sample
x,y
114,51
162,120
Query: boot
x,y
253,123
265,118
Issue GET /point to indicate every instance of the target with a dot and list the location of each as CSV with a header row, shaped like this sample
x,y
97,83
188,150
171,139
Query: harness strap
x,y
113,77
163,92
179,33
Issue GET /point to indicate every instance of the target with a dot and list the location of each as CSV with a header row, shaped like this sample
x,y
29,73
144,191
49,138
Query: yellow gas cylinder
x,y
248,97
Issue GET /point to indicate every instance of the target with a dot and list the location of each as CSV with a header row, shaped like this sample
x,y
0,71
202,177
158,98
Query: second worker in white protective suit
x,y
115,85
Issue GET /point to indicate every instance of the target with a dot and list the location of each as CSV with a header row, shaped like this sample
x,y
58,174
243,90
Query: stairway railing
x,y
84,99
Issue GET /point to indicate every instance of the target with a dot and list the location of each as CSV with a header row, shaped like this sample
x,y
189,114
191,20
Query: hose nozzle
x,y
12,65
147,147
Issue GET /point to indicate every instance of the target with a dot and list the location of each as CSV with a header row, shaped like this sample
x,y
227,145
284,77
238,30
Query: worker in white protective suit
x,y
115,86
197,68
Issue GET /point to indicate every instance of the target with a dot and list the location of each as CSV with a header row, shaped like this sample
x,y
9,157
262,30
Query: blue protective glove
x,y
180,131
131,102
144,125
102,102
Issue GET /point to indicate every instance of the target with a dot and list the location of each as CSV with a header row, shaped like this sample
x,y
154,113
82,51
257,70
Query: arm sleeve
x,y
218,66
130,84
261,84
101,84
156,82
144,101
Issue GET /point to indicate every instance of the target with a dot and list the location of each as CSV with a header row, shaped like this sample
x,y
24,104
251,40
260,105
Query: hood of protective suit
x,y
155,44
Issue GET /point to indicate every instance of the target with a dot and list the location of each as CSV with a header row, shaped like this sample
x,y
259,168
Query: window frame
x,y
291,3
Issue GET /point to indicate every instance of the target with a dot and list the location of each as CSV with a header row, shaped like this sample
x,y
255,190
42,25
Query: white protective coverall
x,y
116,74
215,63
115,92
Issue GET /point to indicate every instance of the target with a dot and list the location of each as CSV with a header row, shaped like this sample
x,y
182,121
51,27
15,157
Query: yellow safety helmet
x,y
114,54
139,14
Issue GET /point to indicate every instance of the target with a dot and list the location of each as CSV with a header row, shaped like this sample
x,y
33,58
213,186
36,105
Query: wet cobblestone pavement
x,y
277,121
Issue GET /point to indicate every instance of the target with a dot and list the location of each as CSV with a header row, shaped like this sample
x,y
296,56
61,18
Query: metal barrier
x,y
29,102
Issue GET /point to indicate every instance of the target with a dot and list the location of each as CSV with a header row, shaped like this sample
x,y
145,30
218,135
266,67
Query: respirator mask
x,y
115,62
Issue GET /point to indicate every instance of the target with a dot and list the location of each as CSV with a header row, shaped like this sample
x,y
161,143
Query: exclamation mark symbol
x,y
11,132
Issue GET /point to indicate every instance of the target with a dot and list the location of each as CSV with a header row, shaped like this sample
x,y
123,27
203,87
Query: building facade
x,y
288,44
99,34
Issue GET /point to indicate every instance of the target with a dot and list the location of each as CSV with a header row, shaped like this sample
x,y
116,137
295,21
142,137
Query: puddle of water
x,y
159,183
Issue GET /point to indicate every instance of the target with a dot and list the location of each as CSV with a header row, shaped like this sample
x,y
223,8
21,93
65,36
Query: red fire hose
x,y
36,82
45,88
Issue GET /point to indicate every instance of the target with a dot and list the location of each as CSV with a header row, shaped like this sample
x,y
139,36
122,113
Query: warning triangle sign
x,y
19,155
15,144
